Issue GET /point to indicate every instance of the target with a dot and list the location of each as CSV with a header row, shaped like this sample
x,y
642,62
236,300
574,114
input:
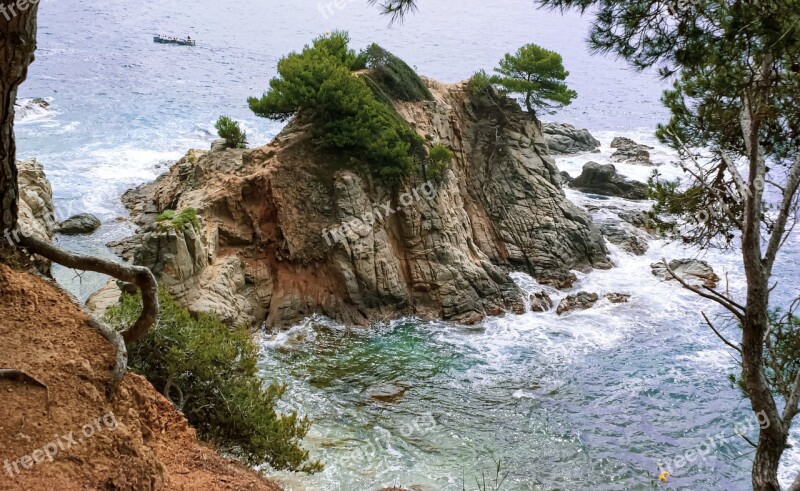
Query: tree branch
x,y
140,276
722,301
738,349
775,242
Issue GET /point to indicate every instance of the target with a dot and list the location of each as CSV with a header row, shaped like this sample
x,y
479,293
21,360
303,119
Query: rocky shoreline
x,y
280,234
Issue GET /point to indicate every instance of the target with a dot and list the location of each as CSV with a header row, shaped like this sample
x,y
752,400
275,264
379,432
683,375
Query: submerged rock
x,y
389,393
625,236
541,302
566,139
630,152
79,225
603,179
618,297
579,301
694,271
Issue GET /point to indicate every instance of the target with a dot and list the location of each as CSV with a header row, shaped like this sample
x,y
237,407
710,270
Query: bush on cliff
x,y
394,76
439,158
231,132
538,75
210,373
348,117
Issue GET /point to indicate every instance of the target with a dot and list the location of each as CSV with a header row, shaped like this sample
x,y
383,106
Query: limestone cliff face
x,y
271,245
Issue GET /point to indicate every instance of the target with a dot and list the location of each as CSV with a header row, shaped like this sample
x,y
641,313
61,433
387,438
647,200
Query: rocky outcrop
x,y
603,179
36,215
578,301
630,152
618,297
291,235
27,109
566,139
694,271
79,225
626,236
541,301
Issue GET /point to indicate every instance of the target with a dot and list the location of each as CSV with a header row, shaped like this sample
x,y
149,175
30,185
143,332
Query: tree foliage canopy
x,y
348,115
536,73
211,373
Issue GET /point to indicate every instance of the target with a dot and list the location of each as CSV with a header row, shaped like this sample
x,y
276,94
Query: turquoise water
x,y
592,400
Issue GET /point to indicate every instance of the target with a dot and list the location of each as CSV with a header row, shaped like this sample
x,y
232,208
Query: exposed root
x,y
140,276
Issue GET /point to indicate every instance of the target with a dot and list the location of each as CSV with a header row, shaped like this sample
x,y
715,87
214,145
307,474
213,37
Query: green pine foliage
x,y
348,118
538,75
479,83
439,159
230,130
394,76
210,372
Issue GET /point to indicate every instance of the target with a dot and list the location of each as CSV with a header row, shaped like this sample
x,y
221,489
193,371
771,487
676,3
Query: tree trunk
x,y
17,44
755,325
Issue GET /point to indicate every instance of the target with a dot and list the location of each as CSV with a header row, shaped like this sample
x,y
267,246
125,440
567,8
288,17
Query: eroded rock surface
x,y
578,301
566,139
630,152
271,224
81,224
694,271
604,179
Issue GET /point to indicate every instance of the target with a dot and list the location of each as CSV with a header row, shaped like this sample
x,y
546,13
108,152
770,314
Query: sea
x,y
602,399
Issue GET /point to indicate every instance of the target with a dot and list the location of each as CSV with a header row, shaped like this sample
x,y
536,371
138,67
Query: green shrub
x,y
394,76
230,130
439,158
210,372
179,220
479,82
346,115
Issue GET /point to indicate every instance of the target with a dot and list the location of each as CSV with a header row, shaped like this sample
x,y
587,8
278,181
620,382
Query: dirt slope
x,y
81,439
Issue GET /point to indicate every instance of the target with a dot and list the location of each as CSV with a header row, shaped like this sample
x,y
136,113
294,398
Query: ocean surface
x,y
591,400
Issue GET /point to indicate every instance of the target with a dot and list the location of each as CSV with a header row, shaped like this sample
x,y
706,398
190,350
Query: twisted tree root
x,y
140,276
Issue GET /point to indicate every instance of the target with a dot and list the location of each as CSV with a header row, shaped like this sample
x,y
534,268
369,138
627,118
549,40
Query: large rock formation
x,y
284,233
603,179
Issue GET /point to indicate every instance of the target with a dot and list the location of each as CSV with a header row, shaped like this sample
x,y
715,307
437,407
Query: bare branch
x,y
140,276
775,242
739,315
738,349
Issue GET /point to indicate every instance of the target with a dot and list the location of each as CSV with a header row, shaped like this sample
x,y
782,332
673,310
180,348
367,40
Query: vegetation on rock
x,y
439,158
347,116
210,373
231,132
179,220
537,74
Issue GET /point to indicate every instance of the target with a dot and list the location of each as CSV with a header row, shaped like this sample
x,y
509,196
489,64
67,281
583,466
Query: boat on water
x,y
170,40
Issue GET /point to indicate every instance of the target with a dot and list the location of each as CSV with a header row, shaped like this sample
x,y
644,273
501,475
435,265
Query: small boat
x,y
178,41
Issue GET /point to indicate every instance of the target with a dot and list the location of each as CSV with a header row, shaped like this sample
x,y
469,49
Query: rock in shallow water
x,y
630,152
79,224
567,139
618,297
541,302
579,301
694,271
603,179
